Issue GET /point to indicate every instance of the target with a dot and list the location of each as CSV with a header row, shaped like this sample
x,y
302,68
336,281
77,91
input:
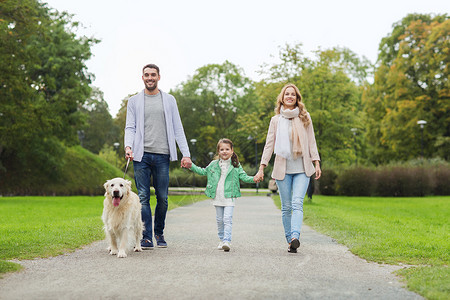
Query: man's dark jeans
x,y
156,166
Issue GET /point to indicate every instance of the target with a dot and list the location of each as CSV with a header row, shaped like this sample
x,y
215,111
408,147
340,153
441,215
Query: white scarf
x,y
282,137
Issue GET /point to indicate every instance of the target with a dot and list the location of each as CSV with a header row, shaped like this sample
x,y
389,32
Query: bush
x,y
409,179
82,173
327,182
402,182
441,180
186,178
355,182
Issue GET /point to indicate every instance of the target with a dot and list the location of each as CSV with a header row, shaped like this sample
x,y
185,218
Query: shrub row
x,y
82,173
186,178
401,181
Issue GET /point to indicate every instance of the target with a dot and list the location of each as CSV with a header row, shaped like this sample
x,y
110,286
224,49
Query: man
x,y
153,125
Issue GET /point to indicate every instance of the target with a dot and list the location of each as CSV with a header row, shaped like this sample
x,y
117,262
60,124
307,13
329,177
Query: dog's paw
x,y
108,249
138,249
113,252
121,254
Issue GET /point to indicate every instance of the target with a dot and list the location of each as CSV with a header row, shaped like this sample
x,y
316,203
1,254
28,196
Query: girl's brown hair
x,y
234,158
303,113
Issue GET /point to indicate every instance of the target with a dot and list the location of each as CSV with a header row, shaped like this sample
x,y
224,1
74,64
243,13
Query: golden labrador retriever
x,y
122,217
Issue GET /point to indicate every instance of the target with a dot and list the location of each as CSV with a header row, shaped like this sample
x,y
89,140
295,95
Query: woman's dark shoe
x,y
295,243
291,250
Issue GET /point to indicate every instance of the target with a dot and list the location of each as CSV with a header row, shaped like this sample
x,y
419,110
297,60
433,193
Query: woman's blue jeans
x,y
224,218
292,191
156,166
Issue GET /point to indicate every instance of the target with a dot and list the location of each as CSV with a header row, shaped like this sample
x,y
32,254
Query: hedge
x,y
400,181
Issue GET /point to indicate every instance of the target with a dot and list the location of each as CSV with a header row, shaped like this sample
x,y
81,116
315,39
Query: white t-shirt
x,y
220,199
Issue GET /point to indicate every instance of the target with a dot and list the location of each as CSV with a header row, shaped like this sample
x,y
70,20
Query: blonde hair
x,y
303,113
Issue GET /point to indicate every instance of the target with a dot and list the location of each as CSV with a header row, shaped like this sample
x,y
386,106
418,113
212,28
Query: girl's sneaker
x,y
219,247
226,246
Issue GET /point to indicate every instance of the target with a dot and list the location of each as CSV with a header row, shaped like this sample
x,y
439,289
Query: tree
x,y
119,122
100,128
411,83
209,103
44,82
331,87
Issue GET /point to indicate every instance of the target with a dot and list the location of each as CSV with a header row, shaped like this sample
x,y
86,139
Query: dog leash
x,y
126,167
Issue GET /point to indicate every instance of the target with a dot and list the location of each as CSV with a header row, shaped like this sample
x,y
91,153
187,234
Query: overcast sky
x,y
181,36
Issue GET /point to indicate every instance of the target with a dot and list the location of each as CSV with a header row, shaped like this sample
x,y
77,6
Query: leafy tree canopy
x,y
330,86
100,128
411,84
209,103
44,81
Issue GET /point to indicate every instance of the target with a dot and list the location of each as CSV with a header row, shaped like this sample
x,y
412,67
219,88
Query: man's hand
x,y
186,162
128,153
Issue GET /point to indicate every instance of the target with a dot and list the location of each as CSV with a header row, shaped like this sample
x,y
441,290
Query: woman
x,y
291,137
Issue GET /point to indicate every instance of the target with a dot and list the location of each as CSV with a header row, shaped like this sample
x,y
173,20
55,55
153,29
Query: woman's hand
x,y
260,175
318,171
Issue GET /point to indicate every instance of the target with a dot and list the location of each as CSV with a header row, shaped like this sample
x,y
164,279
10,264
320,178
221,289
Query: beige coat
x,y
309,150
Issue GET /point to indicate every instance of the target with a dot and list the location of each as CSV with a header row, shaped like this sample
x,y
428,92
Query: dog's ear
x,y
128,183
106,185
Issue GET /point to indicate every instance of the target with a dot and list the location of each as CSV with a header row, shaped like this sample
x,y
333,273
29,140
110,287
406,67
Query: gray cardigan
x,y
134,128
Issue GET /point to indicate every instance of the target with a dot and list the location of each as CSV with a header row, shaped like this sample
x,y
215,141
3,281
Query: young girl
x,y
223,187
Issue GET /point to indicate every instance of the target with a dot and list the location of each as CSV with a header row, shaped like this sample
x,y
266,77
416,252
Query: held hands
x,y
259,176
186,162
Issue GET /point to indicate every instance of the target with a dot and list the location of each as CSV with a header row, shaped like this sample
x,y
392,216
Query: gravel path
x,y
257,267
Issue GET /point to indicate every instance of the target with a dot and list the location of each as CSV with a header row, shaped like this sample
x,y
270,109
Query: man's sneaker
x,y
220,246
226,246
160,242
147,244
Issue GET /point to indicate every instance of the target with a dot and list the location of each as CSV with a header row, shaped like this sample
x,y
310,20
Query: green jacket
x,y
232,186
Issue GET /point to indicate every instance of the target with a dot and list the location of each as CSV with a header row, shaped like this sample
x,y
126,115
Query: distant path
x,y
257,267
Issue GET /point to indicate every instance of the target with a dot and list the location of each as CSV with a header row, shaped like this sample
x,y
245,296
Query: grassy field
x,y
410,231
46,226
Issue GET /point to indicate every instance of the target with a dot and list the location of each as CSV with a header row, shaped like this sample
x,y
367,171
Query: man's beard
x,y
151,88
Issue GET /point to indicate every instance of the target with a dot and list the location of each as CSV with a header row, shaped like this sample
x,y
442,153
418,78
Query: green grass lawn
x,y
411,231
46,226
